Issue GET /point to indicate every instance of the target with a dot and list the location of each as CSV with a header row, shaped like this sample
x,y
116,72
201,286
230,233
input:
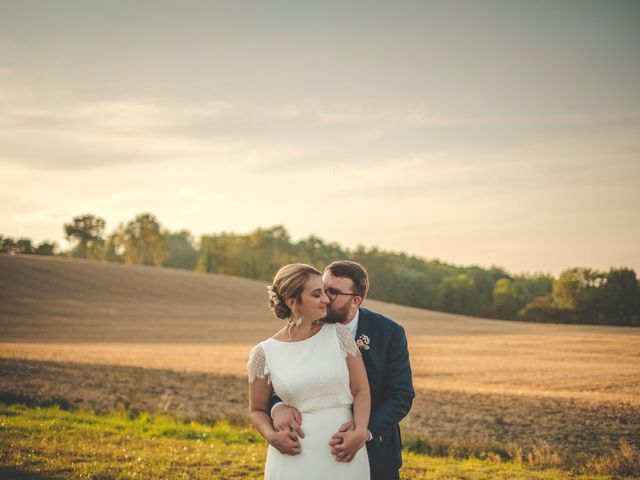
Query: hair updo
x,y
289,283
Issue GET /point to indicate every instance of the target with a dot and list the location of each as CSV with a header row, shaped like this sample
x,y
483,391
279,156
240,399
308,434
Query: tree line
x,y
578,295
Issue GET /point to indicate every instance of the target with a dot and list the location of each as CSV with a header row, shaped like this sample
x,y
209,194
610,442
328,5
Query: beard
x,y
337,315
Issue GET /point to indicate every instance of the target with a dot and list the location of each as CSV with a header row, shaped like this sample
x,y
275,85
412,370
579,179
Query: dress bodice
x,y
311,374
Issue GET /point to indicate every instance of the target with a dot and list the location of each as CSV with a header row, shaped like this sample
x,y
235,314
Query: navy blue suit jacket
x,y
391,385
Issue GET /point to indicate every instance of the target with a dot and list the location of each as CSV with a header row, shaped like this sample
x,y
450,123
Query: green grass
x,y
50,442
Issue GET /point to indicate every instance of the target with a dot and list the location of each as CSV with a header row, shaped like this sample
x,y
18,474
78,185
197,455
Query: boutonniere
x,y
363,342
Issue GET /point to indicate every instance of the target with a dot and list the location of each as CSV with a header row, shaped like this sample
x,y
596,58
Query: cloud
x,y
54,131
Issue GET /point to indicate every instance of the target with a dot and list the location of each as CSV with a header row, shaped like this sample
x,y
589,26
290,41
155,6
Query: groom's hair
x,y
353,270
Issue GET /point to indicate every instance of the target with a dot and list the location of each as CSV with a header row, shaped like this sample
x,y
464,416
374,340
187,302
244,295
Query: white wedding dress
x,y
312,376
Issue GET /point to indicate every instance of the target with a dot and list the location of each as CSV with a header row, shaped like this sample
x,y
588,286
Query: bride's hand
x,y
350,425
286,442
346,443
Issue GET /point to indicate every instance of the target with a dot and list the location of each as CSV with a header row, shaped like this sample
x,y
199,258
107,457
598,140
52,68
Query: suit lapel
x,y
363,323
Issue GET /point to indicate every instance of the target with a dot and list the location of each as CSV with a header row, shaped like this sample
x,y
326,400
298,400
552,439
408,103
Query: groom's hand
x,y
287,419
286,443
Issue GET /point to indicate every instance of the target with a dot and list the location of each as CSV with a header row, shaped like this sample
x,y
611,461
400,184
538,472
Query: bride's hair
x,y
289,283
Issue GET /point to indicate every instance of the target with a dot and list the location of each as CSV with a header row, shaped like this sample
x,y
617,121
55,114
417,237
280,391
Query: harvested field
x,y
111,335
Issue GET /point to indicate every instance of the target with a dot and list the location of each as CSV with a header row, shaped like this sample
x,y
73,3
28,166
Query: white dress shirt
x,y
353,324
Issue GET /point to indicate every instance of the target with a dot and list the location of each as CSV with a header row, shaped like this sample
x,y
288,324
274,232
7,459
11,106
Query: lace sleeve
x,y
257,364
345,340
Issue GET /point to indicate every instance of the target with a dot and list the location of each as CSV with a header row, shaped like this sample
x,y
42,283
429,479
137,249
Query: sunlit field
x,y
109,336
54,443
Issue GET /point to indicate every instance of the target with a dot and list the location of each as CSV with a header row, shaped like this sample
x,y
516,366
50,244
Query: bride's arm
x,y
285,442
361,394
346,444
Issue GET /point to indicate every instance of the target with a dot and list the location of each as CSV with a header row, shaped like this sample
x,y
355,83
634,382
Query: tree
x,y
256,255
535,285
542,310
87,230
592,296
315,251
46,248
110,249
484,282
7,245
508,298
457,294
181,252
23,245
619,297
267,249
142,241
575,289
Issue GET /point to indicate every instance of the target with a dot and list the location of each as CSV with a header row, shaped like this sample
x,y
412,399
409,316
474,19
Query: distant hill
x,y
52,299
86,312
578,296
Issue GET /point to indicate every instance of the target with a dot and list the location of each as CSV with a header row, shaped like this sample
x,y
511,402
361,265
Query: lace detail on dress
x,y
346,341
257,364
311,374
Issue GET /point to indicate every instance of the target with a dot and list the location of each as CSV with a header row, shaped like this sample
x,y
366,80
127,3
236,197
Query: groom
x,y
383,344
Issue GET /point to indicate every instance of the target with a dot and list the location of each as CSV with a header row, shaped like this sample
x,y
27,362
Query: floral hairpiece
x,y
273,295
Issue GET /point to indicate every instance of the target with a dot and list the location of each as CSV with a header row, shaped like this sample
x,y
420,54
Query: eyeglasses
x,y
333,293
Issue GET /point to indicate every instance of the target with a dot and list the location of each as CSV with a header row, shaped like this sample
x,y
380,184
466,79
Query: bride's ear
x,y
290,303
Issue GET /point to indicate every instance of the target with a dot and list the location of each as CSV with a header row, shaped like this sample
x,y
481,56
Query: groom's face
x,y
343,307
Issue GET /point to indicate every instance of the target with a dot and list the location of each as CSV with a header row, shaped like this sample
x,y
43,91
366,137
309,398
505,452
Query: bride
x,y
317,368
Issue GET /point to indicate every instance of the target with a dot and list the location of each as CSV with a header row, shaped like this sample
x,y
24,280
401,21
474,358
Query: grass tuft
x,y
625,460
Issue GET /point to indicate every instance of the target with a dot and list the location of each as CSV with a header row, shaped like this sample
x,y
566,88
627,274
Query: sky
x,y
501,133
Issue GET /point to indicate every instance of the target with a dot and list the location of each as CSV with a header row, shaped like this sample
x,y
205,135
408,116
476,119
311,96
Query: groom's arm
x,y
398,384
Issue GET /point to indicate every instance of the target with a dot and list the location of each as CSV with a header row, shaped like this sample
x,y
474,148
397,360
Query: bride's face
x,y
313,301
